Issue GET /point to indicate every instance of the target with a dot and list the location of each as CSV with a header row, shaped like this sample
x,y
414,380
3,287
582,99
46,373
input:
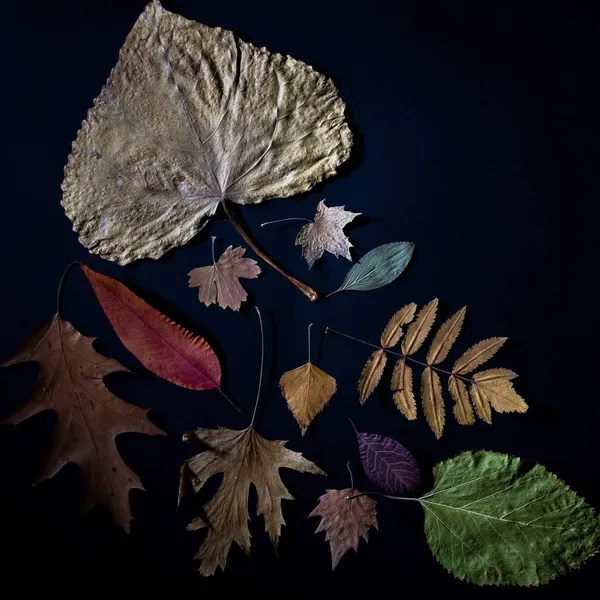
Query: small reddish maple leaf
x,y
345,520
221,282
88,415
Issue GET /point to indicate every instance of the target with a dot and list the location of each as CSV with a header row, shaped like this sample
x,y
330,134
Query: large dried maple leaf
x,y
192,115
244,458
345,520
88,415
326,232
220,283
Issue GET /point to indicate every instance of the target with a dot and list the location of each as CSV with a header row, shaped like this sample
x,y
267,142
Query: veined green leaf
x,y
378,267
492,521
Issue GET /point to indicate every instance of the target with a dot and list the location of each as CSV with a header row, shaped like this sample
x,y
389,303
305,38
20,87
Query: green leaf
x,y
492,521
378,267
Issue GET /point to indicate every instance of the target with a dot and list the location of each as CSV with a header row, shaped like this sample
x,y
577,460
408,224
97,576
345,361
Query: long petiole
x,y
288,219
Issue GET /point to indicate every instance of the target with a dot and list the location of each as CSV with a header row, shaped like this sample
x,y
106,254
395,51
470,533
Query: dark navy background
x,y
476,129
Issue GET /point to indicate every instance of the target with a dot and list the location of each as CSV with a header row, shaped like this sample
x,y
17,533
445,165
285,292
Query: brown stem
x,y
311,294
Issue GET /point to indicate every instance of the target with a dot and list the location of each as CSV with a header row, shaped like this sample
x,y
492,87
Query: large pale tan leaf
x,y
371,374
189,116
393,330
402,386
419,328
476,355
245,458
463,410
307,390
445,337
433,401
495,385
88,415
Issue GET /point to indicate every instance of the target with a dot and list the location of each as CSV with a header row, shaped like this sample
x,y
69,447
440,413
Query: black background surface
x,y
476,132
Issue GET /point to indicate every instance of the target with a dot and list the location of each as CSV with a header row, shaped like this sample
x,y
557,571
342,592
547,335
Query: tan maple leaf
x,y
88,415
326,232
244,458
221,282
345,520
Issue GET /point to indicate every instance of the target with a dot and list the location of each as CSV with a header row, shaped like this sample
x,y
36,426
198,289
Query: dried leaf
x,y
445,337
495,387
326,232
402,386
481,404
307,390
388,464
371,374
378,267
162,346
345,520
221,282
88,415
393,330
476,355
491,520
189,116
433,401
462,407
419,328
244,458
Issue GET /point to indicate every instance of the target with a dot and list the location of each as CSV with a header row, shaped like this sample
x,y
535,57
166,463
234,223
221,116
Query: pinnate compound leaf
x,y
345,520
445,337
371,374
88,415
244,458
378,267
161,345
220,283
433,401
481,404
419,329
477,355
393,330
326,233
402,386
189,116
307,390
462,407
491,520
388,464
494,385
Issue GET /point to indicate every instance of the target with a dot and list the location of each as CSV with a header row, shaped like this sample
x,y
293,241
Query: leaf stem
x,y
351,476
262,362
309,341
311,294
288,219
383,496
213,238
61,285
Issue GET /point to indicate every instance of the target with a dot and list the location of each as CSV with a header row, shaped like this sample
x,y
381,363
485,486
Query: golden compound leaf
x,y
433,401
476,355
402,386
445,337
496,387
371,374
393,330
419,328
462,407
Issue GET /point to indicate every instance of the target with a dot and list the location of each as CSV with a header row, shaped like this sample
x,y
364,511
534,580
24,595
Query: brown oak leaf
x,y
244,458
221,282
345,520
326,232
88,415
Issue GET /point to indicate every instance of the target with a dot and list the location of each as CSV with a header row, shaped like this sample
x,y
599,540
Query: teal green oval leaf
x,y
378,267
491,520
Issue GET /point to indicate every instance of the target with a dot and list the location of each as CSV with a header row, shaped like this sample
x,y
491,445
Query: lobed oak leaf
x,y
344,520
244,458
220,283
88,415
326,233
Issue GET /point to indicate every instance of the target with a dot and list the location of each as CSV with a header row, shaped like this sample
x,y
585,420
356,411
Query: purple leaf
x,y
388,464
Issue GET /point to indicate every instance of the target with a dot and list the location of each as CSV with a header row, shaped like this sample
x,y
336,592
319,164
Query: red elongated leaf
x,y
161,345
388,464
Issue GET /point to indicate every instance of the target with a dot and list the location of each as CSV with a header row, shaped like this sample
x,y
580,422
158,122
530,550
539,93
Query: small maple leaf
x,y
244,458
345,520
88,415
221,282
326,233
